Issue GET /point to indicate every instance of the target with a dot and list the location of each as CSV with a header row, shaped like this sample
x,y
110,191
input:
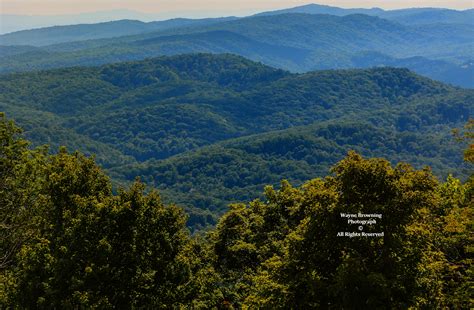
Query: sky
x,y
201,7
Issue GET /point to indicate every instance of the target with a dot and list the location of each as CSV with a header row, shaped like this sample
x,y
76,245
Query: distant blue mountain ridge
x,y
437,43
405,16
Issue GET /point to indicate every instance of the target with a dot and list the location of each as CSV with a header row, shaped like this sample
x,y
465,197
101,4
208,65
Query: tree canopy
x,y
72,242
209,130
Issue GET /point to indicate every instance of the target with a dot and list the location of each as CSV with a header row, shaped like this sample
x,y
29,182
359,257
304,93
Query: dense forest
x,y
237,170
209,130
69,242
307,158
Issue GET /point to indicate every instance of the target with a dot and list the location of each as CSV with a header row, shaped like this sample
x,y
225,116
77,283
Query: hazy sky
x,y
223,7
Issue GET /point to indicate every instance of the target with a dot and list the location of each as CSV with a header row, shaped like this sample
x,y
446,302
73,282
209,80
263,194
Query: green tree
x,y
314,267
467,134
72,243
453,225
19,193
16,182
99,250
72,191
69,242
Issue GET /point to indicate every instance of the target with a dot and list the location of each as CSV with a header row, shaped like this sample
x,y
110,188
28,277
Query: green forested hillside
x,y
68,241
161,107
236,170
150,119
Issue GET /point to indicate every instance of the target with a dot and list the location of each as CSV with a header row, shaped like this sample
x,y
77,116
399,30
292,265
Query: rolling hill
x,y
237,170
192,123
295,42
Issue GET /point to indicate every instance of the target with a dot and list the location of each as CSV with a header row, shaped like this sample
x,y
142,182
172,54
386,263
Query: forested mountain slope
x,y
69,241
212,177
296,42
149,118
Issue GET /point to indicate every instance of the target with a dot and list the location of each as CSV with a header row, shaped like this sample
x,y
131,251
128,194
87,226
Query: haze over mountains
x,y
15,22
12,22
307,158
437,43
81,32
405,16
214,128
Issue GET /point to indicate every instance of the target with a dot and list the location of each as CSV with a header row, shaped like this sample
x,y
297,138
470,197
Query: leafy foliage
x,y
18,168
87,247
284,252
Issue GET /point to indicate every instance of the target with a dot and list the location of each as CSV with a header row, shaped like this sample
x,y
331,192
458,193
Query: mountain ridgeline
x,y
292,40
307,158
417,16
70,33
208,130
42,36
